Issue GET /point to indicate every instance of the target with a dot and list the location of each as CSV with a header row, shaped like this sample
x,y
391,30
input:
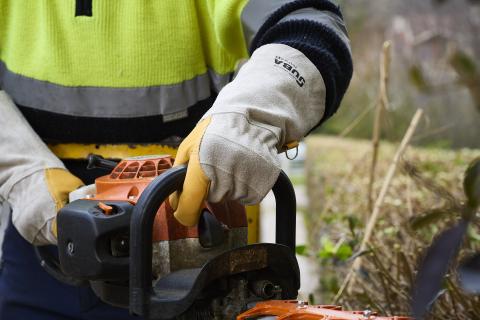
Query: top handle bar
x,y
144,214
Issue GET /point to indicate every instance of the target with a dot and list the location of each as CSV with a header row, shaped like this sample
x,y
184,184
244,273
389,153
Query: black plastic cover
x,y
85,236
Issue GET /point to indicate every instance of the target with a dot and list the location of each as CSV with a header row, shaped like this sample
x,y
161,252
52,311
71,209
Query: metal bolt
x,y
264,289
70,248
301,304
367,313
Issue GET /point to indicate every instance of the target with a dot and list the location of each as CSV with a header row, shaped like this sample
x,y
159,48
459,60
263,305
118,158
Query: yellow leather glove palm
x,y
195,189
60,184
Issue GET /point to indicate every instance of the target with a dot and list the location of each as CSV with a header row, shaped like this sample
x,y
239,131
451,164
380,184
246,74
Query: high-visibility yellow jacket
x,y
139,71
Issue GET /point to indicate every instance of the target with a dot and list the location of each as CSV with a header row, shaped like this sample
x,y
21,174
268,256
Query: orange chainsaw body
x,y
130,178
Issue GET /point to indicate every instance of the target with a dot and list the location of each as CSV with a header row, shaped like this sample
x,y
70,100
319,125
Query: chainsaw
x,y
124,242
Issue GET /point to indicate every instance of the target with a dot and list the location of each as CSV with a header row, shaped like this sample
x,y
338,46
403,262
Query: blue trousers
x,y
28,292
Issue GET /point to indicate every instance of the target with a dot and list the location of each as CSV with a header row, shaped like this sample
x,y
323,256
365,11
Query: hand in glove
x,y
32,179
36,200
277,97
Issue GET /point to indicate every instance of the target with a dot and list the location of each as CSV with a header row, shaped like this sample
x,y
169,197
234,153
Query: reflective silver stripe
x,y
256,13
104,102
218,81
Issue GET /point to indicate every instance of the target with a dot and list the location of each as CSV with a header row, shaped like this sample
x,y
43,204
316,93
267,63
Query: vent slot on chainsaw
x,y
116,172
147,170
130,171
164,164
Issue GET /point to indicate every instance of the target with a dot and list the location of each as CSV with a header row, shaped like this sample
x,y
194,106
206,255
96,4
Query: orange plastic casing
x,y
129,179
298,310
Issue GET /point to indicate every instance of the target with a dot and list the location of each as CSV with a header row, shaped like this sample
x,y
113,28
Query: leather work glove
x,y
233,158
47,192
277,97
32,179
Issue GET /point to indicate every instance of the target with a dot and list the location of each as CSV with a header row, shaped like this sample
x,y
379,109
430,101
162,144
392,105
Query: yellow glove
x,y
60,184
196,185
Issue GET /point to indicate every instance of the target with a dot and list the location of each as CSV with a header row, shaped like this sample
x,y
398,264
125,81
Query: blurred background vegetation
x,y
435,66
423,200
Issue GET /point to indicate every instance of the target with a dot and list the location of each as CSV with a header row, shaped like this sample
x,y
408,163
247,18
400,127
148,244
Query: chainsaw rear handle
x,y
142,224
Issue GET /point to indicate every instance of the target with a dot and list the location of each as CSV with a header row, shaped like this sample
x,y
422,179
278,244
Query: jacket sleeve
x,y
314,27
22,151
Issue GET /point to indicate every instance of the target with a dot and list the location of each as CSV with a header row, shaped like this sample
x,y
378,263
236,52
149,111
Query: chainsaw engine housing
x,y
125,242
93,233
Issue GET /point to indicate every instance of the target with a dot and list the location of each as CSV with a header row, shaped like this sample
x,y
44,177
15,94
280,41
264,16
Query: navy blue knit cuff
x,y
319,43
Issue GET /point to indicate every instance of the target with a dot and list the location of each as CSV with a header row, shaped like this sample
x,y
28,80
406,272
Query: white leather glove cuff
x,y
22,151
277,97
24,158
279,88
33,209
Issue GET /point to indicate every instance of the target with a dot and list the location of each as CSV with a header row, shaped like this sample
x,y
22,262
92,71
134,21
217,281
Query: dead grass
x,y
337,183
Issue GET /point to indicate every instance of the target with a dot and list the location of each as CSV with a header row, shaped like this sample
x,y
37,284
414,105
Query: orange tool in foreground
x,y
300,310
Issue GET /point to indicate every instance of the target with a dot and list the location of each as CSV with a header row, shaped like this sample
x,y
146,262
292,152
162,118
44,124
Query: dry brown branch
x,y
434,132
409,198
357,264
356,121
414,173
382,105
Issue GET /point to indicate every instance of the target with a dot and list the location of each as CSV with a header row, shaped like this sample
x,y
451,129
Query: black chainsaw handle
x,y
142,224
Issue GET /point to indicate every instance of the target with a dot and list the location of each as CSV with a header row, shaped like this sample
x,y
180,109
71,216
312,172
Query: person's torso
x,y
109,72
